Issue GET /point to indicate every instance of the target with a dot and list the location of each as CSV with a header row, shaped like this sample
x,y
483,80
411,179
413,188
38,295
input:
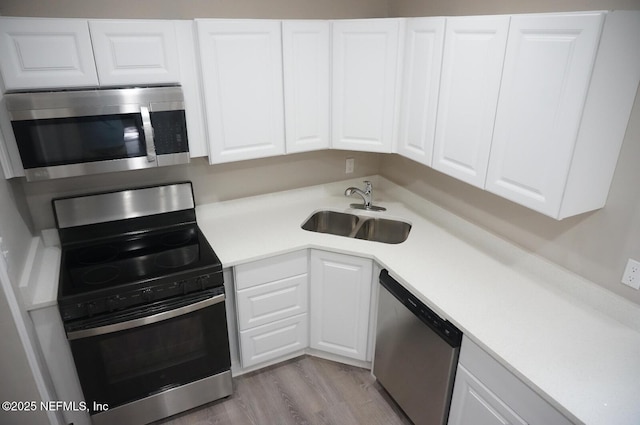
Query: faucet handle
x,y
368,187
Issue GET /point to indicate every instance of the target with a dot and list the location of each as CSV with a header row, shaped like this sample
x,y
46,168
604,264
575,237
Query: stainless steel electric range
x,y
142,300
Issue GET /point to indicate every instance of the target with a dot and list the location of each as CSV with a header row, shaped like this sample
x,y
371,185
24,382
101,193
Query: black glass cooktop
x,y
137,258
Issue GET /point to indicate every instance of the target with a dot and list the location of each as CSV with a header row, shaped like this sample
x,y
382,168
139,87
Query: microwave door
x,y
72,146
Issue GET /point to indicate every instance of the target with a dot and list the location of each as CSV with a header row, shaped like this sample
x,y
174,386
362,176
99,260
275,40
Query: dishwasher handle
x,y
445,329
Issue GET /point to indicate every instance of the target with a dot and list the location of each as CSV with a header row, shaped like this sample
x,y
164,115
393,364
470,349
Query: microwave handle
x,y
148,133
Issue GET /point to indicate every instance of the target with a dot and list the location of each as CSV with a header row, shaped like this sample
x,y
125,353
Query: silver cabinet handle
x,y
148,134
142,321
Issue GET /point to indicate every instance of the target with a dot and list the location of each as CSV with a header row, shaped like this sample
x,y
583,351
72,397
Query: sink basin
x,y
360,227
384,230
333,222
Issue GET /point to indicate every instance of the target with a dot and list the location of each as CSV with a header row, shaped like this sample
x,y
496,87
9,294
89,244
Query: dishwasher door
x,y
413,362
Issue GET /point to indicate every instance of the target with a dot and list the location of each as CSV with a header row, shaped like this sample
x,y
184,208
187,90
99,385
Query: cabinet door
x,y
272,301
546,76
242,79
306,84
135,52
473,403
474,51
365,61
191,88
340,296
421,83
274,340
46,53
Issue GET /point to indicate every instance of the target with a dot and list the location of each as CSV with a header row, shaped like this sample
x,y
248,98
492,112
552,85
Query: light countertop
x,y
570,340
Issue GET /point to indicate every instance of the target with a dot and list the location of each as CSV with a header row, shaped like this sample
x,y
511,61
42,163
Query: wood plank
x,y
305,390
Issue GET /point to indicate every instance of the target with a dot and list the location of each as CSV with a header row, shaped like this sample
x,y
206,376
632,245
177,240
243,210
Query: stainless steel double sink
x,y
358,226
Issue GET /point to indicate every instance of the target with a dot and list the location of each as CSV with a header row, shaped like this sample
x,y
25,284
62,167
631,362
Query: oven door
x,y
181,342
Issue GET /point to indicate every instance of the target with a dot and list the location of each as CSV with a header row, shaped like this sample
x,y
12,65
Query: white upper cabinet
x,y
46,53
420,85
547,71
306,57
191,88
242,80
135,52
365,62
471,71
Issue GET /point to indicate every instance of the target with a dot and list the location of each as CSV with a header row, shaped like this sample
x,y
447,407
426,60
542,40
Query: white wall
x,y
187,9
211,183
494,7
16,376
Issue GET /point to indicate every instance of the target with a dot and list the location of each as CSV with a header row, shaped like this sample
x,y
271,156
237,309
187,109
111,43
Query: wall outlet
x,y
631,276
350,165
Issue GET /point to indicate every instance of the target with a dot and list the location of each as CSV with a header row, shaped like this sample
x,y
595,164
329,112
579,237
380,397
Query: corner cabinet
x,y
242,80
364,83
46,53
471,72
486,393
340,294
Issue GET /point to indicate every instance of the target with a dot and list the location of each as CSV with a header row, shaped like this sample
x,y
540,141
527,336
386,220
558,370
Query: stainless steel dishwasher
x,y
416,354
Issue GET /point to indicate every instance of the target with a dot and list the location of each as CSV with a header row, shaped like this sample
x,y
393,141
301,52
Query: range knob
x,y
147,294
91,308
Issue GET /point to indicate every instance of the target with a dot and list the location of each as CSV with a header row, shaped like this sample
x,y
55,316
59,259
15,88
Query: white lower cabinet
x,y
271,300
274,340
340,296
486,393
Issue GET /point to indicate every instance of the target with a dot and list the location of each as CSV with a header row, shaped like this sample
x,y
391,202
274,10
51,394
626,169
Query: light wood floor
x,y
305,390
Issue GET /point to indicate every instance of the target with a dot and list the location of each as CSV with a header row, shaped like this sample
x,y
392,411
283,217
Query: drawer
x,y
273,301
274,340
270,269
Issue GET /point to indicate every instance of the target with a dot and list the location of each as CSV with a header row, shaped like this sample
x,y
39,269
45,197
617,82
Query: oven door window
x,y
63,141
124,366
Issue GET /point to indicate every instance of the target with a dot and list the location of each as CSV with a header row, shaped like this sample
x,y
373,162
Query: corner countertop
x,y
574,343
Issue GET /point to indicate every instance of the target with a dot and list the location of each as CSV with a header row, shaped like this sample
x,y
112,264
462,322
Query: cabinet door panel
x,y
306,84
364,84
340,297
271,269
473,403
135,52
272,301
545,81
274,340
421,83
471,72
242,78
46,53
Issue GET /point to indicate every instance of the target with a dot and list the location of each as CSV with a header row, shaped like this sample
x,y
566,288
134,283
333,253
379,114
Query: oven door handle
x,y
143,321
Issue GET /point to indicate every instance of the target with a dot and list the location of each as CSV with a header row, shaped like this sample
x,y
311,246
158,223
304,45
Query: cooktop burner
x,y
100,275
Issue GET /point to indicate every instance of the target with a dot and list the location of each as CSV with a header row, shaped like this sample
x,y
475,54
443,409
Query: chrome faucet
x,y
366,196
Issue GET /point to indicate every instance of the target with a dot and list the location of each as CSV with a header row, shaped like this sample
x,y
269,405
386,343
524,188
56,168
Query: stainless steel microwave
x,y
74,133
